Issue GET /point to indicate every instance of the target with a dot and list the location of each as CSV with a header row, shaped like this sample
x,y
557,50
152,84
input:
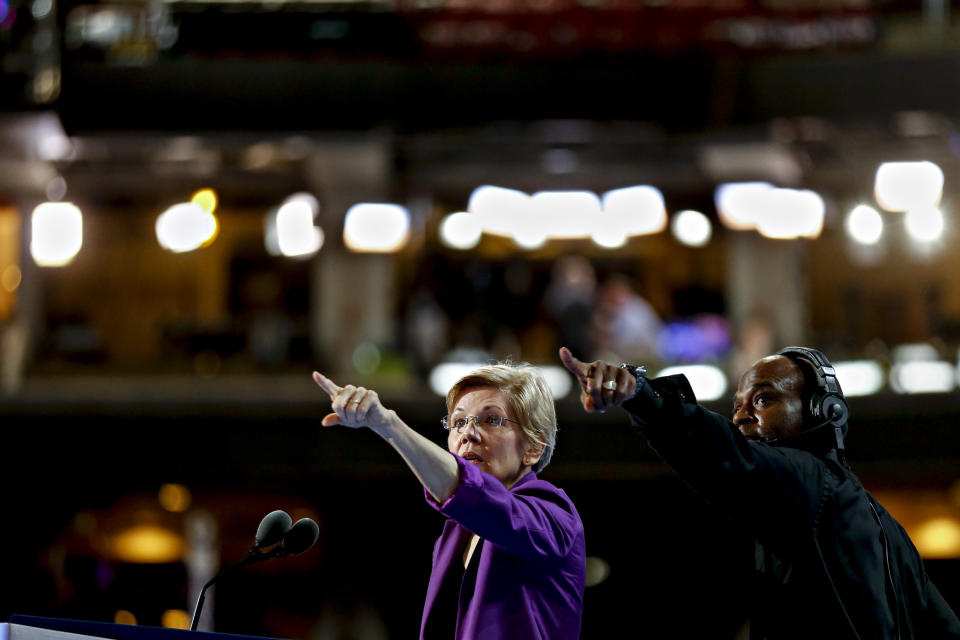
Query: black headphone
x,y
827,406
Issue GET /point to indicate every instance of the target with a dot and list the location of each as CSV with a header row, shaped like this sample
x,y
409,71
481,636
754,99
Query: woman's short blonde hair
x,y
529,396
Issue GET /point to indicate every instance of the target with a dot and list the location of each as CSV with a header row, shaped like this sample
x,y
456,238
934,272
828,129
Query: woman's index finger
x,y
326,384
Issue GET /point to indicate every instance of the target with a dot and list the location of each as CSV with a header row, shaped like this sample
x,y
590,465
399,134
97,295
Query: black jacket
x,y
830,562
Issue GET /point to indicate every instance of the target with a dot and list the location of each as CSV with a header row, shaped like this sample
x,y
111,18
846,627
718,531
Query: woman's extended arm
x,y
356,407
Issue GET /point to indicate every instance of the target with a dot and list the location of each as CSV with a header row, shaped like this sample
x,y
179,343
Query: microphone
x,y
817,437
275,528
272,528
301,536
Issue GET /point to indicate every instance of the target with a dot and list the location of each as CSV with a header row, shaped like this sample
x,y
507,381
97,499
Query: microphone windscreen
x,y
301,537
273,528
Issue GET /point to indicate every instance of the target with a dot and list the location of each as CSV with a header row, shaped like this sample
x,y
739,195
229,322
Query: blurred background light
x,y
697,339
608,236
707,381
558,379
175,619
924,223
859,377
640,210
790,213
366,358
460,230
691,228
530,226
185,227
914,352
56,189
938,537
771,160
259,156
46,82
376,227
105,26
598,570
864,225
271,239
123,616
40,9
174,497
497,208
296,233
923,377
206,199
305,197
57,233
530,235
559,161
147,543
10,278
901,186
55,147
445,375
566,214
739,204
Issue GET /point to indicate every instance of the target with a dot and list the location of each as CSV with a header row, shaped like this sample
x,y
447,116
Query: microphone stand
x,y
253,556
288,540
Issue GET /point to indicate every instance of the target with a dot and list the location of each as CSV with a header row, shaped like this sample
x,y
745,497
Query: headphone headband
x,y
826,374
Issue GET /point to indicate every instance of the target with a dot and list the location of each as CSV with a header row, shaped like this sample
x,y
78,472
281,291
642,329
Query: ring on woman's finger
x,y
610,384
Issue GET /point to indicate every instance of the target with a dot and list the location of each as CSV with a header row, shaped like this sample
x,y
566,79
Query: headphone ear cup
x,y
834,409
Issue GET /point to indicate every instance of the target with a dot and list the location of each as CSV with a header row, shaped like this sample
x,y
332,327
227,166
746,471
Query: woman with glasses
x,y
511,560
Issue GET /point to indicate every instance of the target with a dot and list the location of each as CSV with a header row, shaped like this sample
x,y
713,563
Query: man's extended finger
x,y
573,365
326,384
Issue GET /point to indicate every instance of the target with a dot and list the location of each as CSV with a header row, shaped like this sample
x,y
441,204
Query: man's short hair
x,y
810,385
529,396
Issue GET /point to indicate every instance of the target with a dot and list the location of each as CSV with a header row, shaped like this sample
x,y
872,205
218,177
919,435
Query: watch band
x,y
640,372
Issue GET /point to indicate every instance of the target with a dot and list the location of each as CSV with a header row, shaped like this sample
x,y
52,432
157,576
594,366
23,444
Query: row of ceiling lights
x,y
531,220
916,368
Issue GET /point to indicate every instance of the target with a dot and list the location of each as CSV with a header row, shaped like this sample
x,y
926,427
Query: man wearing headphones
x,y
830,561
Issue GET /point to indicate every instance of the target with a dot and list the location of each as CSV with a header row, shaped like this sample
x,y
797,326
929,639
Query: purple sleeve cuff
x,y
468,491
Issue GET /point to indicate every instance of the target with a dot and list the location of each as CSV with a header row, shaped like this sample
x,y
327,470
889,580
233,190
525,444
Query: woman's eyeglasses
x,y
488,421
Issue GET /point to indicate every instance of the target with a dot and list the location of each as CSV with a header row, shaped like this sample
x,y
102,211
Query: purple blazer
x,y
532,565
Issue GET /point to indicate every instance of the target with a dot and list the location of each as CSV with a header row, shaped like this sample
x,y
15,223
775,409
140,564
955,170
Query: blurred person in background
x,y
511,561
427,331
570,300
625,323
755,338
830,561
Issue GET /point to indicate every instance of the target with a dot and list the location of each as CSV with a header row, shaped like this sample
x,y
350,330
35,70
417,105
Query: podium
x,y
35,628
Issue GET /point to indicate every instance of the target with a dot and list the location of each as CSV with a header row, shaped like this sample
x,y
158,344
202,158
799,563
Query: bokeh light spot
x,y
10,278
124,617
206,199
174,497
175,619
57,234
938,538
